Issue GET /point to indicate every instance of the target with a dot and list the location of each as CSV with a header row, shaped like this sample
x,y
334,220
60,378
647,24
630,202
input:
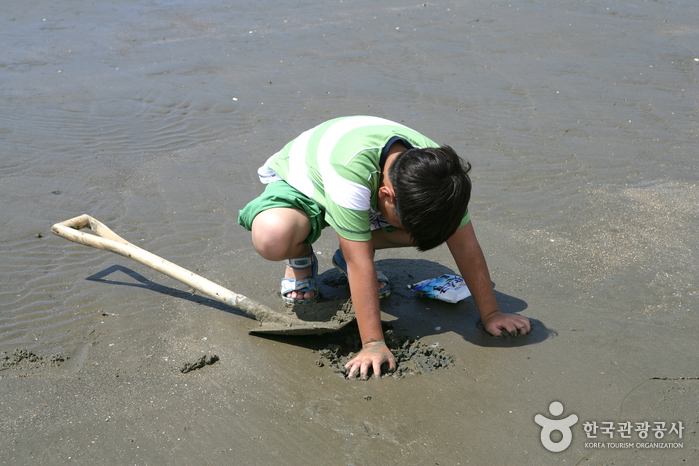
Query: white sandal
x,y
304,285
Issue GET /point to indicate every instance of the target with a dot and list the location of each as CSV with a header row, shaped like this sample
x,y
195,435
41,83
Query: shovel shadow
x,y
143,282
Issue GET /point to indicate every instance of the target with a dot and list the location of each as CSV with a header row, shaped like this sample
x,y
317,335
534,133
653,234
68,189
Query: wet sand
x,y
580,122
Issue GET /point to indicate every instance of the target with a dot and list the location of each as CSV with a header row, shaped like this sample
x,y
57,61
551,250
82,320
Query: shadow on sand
x,y
417,317
143,282
414,316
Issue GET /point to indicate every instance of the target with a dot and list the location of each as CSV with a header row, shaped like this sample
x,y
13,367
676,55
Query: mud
x,y
309,319
202,361
24,359
339,312
412,356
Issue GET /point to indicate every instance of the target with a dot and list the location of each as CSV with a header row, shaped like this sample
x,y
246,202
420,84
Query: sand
x,y
580,123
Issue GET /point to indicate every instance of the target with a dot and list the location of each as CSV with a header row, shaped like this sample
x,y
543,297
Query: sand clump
x,y
22,358
204,360
412,356
337,312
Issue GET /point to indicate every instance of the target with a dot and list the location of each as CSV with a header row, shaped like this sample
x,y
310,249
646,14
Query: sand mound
x,y
412,356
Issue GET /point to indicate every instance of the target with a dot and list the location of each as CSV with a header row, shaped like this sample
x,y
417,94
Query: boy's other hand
x,y
373,355
495,322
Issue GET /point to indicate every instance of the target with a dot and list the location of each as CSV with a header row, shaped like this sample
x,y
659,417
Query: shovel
x,y
304,319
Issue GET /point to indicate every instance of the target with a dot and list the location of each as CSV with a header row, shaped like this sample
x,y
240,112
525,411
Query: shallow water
x,y
580,120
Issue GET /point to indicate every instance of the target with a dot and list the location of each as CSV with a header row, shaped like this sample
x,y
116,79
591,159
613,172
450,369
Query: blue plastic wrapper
x,y
449,288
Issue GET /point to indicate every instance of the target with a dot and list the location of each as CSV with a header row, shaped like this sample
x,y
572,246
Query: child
x,y
380,185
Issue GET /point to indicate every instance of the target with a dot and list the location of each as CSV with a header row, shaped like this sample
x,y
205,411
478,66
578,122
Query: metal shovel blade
x,y
307,319
312,319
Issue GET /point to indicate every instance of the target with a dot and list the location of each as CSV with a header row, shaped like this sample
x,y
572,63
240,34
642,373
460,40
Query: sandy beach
x,y
580,121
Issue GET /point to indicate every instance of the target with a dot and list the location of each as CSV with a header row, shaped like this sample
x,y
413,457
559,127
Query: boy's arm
x,y
361,271
469,258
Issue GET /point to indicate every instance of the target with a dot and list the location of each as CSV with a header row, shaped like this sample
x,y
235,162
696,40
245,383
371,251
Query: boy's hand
x,y
373,354
495,322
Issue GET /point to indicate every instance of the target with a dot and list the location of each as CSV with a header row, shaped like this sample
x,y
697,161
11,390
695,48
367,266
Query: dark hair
x,y
432,189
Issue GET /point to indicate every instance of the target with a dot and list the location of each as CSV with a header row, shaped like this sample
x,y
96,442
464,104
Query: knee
x,y
270,238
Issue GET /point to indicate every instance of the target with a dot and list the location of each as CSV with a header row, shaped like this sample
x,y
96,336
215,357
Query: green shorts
x,y
281,194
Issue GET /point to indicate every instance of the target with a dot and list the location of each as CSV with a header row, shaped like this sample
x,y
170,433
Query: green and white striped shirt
x,y
337,164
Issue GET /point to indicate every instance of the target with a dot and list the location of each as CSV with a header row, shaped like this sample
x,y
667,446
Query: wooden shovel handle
x,y
107,240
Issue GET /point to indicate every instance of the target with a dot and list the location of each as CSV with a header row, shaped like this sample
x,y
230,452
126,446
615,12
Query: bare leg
x,y
279,234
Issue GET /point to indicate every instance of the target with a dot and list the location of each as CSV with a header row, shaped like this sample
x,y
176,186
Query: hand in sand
x,y
497,322
373,354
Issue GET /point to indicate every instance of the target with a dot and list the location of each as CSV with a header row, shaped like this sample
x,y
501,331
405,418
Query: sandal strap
x,y
305,284
302,262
